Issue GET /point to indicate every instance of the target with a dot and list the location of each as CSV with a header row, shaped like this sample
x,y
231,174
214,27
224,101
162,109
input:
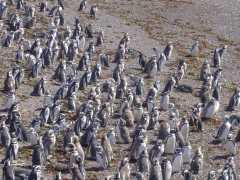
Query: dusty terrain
x,y
153,23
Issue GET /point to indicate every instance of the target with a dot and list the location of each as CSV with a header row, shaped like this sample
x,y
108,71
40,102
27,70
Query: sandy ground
x,y
153,23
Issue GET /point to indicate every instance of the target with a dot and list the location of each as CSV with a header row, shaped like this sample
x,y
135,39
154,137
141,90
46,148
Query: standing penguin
x,y
36,173
143,164
161,62
196,165
82,5
157,151
156,171
212,106
168,50
218,55
223,131
9,83
5,135
230,146
194,51
170,144
187,154
164,101
234,100
205,70
184,129
124,169
122,133
177,162
39,88
151,67
12,150
106,144
93,11
166,169
8,171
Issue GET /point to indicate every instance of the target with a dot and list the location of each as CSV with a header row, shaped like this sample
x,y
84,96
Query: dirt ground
x,y
153,23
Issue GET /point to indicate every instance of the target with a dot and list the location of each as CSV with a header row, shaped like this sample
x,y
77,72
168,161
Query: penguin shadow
x,y
215,142
95,169
184,88
220,157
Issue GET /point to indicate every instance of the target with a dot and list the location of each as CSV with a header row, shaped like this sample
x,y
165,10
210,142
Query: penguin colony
x,y
115,111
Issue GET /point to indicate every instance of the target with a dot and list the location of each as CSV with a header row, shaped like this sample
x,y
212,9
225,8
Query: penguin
x,y
49,141
4,10
111,136
168,50
96,73
223,131
101,158
230,146
187,154
124,169
35,173
93,11
60,72
184,129
218,55
75,140
106,144
151,67
161,62
141,60
170,144
139,91
216,78
156,171
173,121
8,171
194,51
187,175
166,169
138,146
234,100
154,118
205,70
55,112
77,169
39,88
45,115
100,38
5,135
212,106
12,150
169,85
36,69
72,102
212,175
128,116
104,60
122,133
82,5
164,130
177,161
164,101
144,121
58,176
180,72
32,137
9,83
196,165
43,6
143,164
156,151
